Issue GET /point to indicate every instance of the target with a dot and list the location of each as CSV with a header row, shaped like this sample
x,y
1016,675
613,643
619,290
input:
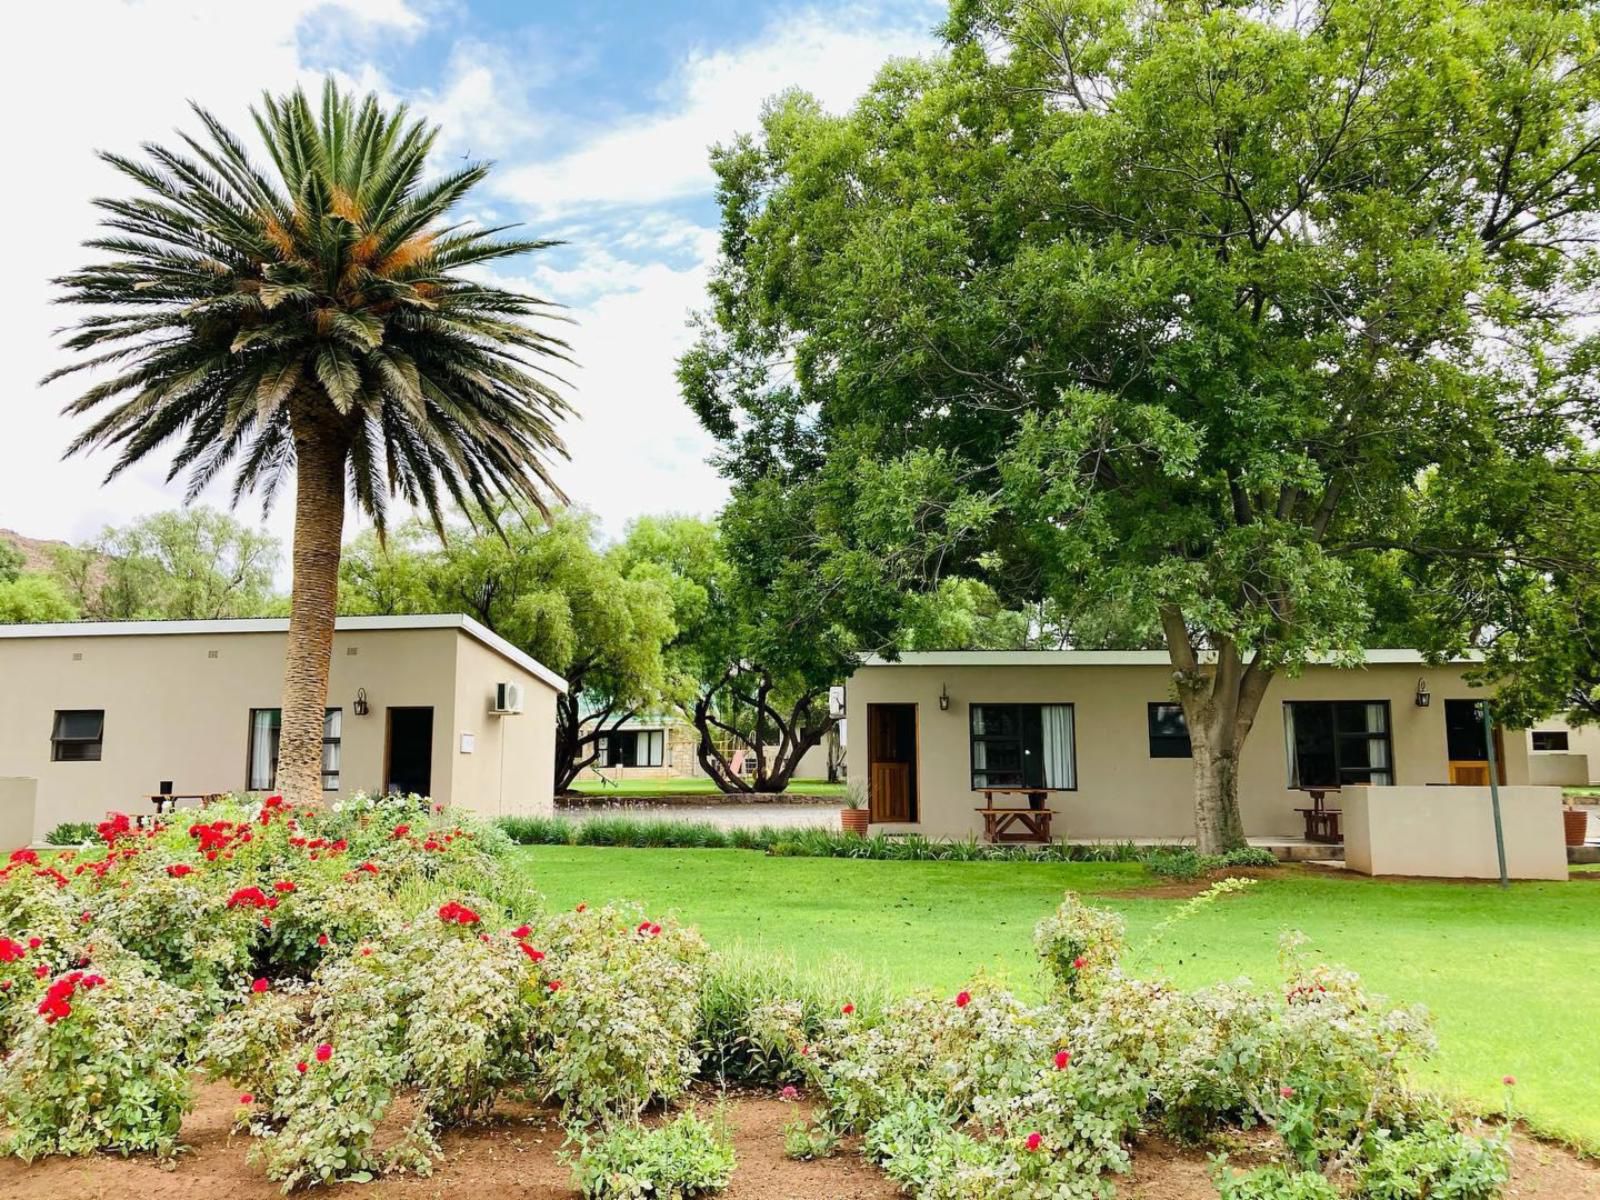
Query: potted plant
x,y
853,816
1576,821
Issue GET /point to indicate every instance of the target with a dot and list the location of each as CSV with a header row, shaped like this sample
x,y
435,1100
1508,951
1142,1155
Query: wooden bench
x,y
1003,823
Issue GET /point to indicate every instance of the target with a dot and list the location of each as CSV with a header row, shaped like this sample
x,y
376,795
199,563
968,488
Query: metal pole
x,y
1494,791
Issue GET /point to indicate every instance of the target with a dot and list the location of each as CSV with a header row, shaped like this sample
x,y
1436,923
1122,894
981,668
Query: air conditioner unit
x,y
507,699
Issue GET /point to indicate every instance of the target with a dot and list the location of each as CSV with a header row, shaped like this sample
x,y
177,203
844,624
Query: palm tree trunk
x,y
318,531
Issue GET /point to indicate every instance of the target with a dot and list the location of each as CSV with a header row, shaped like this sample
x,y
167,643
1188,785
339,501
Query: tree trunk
x,y
320,455
1220,701
798,733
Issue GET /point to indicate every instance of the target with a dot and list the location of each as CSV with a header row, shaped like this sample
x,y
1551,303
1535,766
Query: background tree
x,y
1173,312
30,597
192,564
315,320
549,590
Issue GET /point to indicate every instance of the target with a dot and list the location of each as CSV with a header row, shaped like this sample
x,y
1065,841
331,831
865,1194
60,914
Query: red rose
x,y
284,885
1510,1081
582,907
655,930
247,1098
179,870
41,971
369,868
31,857
266,922
1079,963
521,931
1063,1058
34,943
555,985
848,1009
533,955
301,1067
1033,1142
1286,1092
963,999
11,951
259,986
324,1052
401,830
322,939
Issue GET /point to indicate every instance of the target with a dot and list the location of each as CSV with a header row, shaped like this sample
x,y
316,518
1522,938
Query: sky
x,y
598,117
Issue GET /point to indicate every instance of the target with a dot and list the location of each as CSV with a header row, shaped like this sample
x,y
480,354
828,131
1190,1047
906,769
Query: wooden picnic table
x,y
1322,822
1003,823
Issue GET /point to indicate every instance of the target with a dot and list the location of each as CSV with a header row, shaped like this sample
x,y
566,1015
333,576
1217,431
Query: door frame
x,y
914,800
388,738
1497,733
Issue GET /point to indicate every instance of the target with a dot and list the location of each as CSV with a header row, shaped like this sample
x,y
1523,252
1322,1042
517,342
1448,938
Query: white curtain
x,y
1056,720
1378,747
654,743
263,748
332,732
1292,757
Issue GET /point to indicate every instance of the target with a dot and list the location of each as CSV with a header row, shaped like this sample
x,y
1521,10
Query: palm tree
x,y
320,321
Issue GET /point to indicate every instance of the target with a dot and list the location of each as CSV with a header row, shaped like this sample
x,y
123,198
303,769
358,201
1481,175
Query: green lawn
x,y
692,787
1512,977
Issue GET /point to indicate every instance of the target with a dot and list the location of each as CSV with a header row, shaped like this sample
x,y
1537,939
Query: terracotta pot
x,y
1576,821
853,820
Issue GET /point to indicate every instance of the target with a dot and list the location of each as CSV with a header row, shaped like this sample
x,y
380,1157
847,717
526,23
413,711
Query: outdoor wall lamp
x,y
944,698
360,707
1424,696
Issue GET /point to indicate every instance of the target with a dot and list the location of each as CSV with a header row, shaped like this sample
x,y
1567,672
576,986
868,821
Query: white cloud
x,y
663,155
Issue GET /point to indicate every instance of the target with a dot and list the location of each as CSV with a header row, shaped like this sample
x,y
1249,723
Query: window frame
x,y
1564,735
1155,737
973,739
58,740
1340,737
337,774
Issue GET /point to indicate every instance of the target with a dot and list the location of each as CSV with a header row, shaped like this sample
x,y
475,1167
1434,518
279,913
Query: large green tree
x,y
549,589
325,317
1168,310
192,564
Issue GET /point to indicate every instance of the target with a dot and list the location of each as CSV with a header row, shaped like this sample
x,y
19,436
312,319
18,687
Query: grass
x,y
1509,975
695,787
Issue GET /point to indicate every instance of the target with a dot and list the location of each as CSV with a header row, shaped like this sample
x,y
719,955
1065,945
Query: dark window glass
x,y
77,734
1169,732
1023,746
1333,743
266,725
1550,739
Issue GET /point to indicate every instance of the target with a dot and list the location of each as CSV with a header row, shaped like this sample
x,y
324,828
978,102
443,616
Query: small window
x,y
266,725
1550,739
1169,732
77,734
1023,746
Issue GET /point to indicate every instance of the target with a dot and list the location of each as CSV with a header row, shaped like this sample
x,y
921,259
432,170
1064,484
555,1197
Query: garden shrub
x,y
803,1141
99,1066
615,1026
757,1011
70,833
685,1157
1078,943
1435,1162
1183,862
1274,1183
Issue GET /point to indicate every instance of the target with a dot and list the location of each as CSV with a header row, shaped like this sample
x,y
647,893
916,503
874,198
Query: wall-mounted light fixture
x,y
1424,696
944,698
361,707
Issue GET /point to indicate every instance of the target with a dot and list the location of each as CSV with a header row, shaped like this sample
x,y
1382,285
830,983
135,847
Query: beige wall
x,y
1448,832
1584,740
177,706
511,768
1122,792
1549,769
16,813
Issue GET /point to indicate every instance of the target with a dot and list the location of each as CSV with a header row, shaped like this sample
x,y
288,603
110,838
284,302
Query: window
x,y
1550,739
1169,732
633,748
77,734
265,726
1333,743
1023,746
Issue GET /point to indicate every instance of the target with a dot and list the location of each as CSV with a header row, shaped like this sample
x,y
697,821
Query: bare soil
x,y
1187,889
515,1156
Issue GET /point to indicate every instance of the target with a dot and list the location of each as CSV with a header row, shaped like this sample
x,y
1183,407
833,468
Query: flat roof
x,y
1110,658
281,625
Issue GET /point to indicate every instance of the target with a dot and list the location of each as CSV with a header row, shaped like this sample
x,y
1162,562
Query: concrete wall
x,y
16,813
1581,740
1122,792
510,769
177,706
1448,832
1554,769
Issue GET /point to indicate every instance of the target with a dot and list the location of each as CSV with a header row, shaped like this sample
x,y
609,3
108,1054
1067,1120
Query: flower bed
x,y
368,978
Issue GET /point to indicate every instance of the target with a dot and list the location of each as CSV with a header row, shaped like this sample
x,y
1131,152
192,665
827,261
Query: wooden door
x,y
892,762
1466,748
